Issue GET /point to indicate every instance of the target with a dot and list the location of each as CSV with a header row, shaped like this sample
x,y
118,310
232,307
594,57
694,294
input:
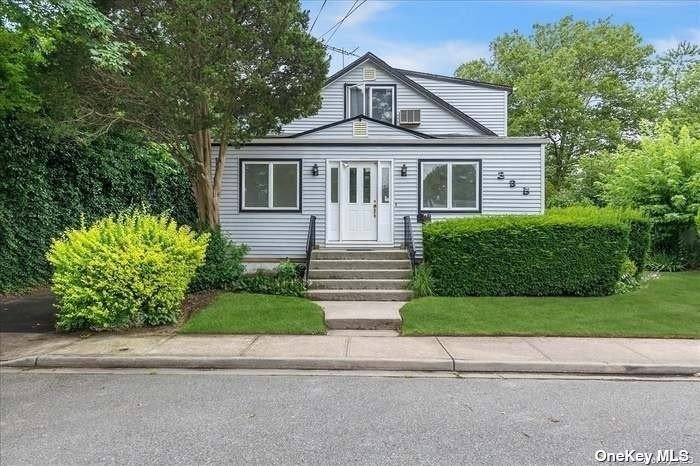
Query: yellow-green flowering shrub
x,y
124,271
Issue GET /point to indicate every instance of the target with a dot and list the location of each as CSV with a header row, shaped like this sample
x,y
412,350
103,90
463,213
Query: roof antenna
x,y
343,52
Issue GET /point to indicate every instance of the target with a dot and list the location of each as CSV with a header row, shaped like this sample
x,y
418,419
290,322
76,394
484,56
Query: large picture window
x,y
270,185
450,185
374,101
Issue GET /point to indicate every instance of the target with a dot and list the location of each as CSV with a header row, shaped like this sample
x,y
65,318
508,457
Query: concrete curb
x,y
245,362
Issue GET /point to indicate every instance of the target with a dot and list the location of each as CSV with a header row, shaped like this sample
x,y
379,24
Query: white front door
x,y
358,201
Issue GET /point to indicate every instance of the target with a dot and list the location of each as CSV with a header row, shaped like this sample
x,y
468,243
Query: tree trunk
x,y
206,186
201,179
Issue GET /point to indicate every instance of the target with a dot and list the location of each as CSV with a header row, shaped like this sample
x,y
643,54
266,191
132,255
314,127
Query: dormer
x,y
437,106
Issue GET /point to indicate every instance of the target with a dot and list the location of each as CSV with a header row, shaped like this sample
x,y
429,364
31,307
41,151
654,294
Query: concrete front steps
x,y
359,275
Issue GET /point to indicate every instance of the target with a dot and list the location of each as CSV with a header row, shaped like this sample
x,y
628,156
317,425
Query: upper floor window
x,y
374,101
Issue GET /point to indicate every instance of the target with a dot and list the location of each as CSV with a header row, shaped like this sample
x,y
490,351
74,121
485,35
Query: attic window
x,y
369,73
374,101
359,128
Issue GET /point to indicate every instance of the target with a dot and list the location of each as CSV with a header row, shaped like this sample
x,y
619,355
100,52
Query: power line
x,y
346,17
317,15
337,25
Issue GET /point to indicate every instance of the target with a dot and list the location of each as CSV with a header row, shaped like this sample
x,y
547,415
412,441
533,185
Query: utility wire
x,y
337,25
346,17
317,15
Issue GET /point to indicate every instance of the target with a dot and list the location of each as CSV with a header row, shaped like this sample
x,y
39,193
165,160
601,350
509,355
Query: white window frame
x,y
368,99
367,90
450,163
270,193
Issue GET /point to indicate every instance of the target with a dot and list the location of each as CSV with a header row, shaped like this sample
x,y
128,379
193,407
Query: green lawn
x,y
258,313
666,307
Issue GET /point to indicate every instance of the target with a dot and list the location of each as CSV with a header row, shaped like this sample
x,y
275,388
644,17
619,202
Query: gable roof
x,y
362,117
452,79
401,77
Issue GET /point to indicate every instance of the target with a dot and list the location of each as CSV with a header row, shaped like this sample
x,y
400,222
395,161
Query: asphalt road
x,y
204,418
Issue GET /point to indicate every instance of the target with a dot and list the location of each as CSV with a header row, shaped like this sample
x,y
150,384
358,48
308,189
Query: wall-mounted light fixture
x,y
314,170
501,176
404,170
512,183
526,191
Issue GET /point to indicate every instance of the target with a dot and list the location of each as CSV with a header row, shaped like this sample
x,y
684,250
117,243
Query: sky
x,y
438,35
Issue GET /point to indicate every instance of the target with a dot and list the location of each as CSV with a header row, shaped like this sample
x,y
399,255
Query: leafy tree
x,y
577,83
677,81
661,175
31,31
234,69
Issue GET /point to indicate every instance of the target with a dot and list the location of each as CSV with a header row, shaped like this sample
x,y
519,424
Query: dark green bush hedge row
x,y
640,227
49,182
566,252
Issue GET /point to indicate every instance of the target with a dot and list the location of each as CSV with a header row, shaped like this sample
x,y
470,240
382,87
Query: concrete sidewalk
x,y
361,352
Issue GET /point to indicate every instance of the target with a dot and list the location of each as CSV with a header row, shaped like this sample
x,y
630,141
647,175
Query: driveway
x,y
27,325
33,313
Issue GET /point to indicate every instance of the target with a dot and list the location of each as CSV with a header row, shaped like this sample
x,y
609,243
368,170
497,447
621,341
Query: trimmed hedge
x,y
640,227
558,254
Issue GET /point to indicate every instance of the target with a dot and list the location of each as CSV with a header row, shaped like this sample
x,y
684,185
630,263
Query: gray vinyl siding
x,y
487,106
283,234
374,130
434,120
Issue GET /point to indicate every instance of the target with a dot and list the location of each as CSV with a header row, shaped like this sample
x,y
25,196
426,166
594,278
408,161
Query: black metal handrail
x,y
408,241
310,244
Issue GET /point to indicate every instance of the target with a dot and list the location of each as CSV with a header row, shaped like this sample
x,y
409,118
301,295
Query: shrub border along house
x,y
575,251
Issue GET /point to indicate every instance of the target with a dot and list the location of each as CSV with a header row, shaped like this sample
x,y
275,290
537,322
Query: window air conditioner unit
x,y
409,117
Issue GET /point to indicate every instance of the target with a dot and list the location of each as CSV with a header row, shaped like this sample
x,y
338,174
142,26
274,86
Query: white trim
x,y
542,183
372,88
505,112
368,99
449,164
270,184
340,242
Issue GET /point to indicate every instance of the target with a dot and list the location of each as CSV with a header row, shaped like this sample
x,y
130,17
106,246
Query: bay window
x,y
450,185
270,185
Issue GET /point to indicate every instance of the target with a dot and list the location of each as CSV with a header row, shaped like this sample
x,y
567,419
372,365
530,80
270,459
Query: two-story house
x,y
389,148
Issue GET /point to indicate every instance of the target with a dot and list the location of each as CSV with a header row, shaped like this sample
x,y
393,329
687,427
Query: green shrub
x,y
640,227
124,271
526,255
422,281
284,281
288,270
676,236
662,262
628,277
223,264
48,182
